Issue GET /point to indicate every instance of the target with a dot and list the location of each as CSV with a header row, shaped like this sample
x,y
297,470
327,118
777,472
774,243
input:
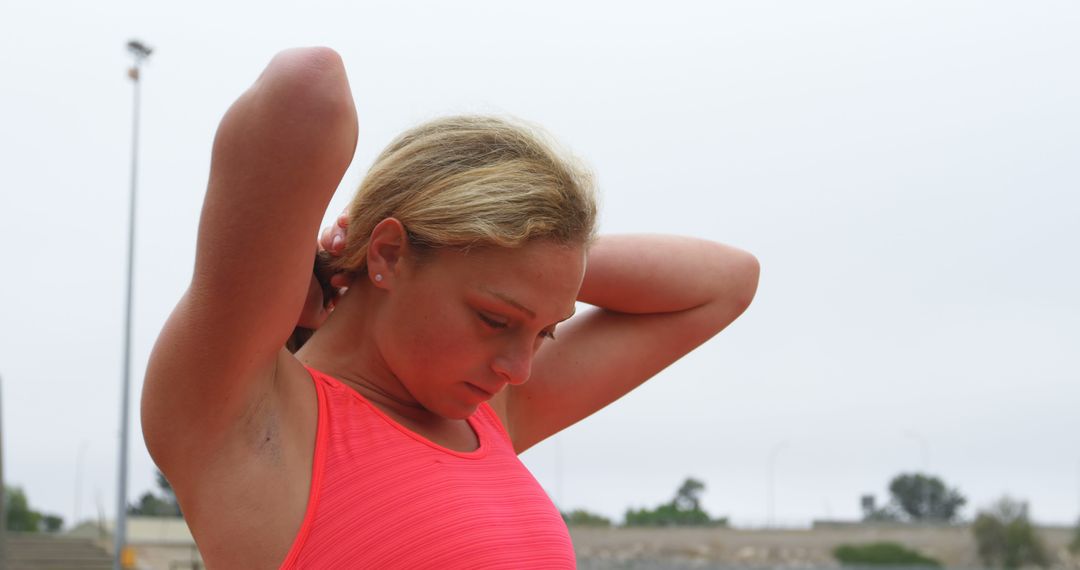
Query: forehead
x,y
543,277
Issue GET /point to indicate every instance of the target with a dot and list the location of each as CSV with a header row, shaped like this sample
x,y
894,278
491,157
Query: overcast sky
x,y
907,173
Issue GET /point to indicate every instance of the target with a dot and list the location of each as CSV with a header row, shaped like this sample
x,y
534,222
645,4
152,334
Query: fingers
x,y
325,239
331,244
332,238
337,236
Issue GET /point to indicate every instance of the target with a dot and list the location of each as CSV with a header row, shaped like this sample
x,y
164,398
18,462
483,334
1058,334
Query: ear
x,y
388,245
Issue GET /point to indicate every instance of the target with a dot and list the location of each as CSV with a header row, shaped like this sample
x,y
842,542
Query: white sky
x,y
906,173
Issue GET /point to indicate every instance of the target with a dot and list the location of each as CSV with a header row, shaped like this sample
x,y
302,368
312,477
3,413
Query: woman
x,y
390,439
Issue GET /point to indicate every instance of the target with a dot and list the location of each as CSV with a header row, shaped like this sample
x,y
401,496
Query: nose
x,y
514,364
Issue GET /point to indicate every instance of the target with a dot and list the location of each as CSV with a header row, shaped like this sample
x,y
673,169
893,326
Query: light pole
x,y
772,480
120,558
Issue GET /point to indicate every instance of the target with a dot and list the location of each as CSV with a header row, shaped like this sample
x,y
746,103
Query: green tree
x,y
688,496
924,498
581,517
881,554
22,518
683,510
151,505
871,513
164,485
1005,537
52,523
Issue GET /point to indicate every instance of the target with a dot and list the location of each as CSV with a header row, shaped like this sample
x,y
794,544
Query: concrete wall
x,y
166,544
953,546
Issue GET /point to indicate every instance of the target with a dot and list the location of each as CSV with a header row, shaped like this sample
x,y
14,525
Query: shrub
x,y
684,510
581,517
1006,538
881,554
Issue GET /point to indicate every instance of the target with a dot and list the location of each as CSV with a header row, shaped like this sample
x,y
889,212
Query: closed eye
x,y
550,334
491,322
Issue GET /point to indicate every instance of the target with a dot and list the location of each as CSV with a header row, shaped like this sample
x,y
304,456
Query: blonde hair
x,y
469,181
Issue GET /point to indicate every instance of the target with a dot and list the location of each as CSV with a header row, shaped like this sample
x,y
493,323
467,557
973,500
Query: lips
x,y
480,391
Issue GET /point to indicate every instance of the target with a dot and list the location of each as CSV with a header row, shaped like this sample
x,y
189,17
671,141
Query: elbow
x,y
299,68
750,273
737,287
310,82
305,92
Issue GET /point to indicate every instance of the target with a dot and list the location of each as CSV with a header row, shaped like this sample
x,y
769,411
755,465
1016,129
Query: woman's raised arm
x,y
279,154
657,298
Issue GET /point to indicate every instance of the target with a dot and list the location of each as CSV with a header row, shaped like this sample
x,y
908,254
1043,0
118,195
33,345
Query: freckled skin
x,y
433,338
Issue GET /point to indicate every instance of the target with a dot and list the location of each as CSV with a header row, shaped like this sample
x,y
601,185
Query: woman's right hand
x,y
331,243
326,286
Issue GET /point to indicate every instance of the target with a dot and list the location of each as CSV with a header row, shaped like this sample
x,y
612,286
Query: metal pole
x,y
141,52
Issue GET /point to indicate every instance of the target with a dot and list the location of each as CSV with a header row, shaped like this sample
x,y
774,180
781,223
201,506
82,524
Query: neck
x,y
344,347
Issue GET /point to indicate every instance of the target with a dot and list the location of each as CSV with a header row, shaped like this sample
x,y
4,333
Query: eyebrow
x,y
510,301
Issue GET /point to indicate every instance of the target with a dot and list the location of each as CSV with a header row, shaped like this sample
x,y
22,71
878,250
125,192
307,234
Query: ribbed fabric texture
x,y
385,497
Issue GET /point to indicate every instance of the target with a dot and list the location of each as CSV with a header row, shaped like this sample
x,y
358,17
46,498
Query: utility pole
x,y
121,558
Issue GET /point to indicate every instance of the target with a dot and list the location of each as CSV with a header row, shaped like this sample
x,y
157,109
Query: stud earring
x,y
378,277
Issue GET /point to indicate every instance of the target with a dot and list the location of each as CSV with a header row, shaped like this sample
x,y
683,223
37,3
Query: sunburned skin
x,y
451,332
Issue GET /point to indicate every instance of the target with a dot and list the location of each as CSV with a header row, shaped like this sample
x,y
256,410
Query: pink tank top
x,y
384,497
